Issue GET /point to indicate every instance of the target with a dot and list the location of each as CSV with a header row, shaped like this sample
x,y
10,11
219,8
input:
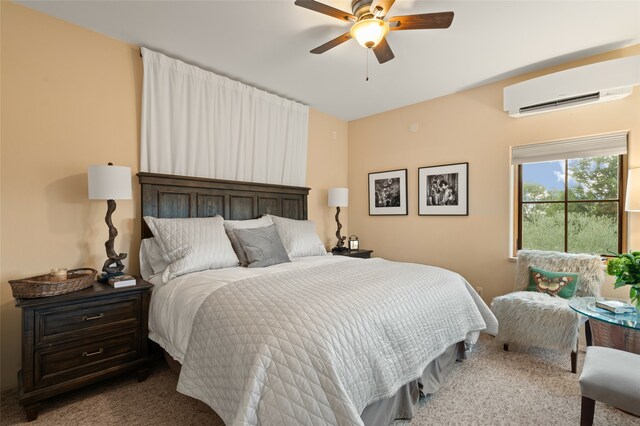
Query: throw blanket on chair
x,y
587,265
530,318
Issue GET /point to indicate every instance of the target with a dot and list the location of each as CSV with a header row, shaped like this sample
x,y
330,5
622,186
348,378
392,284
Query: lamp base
x,y
339,249
104,276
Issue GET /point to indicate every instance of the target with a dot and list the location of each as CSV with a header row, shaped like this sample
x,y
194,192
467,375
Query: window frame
x,y
620,200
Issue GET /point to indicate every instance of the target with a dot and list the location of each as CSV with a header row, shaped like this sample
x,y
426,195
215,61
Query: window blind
x,y
591,146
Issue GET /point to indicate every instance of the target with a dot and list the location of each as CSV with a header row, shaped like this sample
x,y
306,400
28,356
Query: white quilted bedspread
x,y
317,346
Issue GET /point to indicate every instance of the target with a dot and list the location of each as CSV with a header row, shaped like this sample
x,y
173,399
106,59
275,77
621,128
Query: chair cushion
x,y
562,284
612,376
536,319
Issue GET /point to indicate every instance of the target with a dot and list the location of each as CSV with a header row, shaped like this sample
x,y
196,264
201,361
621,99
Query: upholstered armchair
x,y
532,318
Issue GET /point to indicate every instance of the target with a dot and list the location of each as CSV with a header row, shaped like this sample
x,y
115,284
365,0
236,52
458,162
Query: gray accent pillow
x,y
262,246
230,225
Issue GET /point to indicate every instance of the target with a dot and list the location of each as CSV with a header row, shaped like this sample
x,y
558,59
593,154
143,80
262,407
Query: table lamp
x,y
632,203
339,197
110,183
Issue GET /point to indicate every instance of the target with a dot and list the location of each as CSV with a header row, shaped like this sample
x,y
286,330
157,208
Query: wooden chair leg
x,y
587,409
587,332
574,362
506,347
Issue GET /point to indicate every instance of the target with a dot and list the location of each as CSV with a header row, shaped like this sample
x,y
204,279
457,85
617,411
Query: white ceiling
x,y
266,44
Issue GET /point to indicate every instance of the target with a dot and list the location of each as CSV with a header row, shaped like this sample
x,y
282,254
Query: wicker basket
x,y
46,285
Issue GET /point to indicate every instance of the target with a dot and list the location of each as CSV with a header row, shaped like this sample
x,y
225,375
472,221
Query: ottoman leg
x,y
506,347
587,410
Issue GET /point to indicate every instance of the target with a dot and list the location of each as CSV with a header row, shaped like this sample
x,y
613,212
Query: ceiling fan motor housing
x,y
361,8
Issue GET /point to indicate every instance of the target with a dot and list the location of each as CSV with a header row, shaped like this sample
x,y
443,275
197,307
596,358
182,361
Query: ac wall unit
x,y
589,84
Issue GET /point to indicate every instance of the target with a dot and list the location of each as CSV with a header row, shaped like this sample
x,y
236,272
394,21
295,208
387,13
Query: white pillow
x,y
299,237
145,267
230,225
152,254
193,244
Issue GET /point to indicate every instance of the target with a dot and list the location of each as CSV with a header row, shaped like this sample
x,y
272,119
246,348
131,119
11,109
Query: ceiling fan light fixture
x,y
369,32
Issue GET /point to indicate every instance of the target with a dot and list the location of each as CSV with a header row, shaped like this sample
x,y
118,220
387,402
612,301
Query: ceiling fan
x,y
370,28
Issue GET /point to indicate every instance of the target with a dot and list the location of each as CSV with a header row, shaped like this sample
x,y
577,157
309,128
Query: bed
x,y
319,340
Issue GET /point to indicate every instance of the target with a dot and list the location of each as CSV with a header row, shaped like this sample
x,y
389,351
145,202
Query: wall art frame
x,y
388,193
443,190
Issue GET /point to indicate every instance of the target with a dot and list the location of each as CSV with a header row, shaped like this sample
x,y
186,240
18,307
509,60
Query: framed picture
x,y
388,193
443,190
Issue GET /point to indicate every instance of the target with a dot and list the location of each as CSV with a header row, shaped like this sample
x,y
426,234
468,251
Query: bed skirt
x,y
402,405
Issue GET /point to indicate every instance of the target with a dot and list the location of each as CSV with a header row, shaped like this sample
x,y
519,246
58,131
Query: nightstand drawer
x,y
89,318
71,361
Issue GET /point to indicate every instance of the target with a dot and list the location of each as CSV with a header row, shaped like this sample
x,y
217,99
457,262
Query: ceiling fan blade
x,y
332,43
327,10
421,22
383,51
381,7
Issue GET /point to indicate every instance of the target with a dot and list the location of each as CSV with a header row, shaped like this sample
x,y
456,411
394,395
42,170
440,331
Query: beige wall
x,y
469,126
326,168
70,98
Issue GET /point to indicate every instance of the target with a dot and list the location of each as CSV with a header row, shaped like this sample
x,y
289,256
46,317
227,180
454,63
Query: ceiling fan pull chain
x,y
367,79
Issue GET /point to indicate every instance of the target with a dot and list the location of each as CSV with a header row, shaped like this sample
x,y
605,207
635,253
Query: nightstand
x,y
76,339
363,254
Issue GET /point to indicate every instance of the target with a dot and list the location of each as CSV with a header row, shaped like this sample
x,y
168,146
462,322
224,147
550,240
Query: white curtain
x,y
197,123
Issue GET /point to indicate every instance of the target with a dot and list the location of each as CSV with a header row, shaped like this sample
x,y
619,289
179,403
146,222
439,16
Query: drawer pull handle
x,y
85,318
98,352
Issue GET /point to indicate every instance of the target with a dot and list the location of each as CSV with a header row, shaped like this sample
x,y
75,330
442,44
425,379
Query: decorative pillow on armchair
x,y
561,284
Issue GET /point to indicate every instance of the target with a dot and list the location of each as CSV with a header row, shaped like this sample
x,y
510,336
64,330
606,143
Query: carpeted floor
x,y
528,387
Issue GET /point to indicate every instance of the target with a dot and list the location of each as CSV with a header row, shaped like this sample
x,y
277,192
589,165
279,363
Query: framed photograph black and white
x,y
388,193
443,190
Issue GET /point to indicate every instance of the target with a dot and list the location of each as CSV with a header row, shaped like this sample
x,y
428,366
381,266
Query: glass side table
x,y
618,331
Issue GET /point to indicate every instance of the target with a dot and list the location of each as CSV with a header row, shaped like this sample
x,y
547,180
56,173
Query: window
x,y
571,205
569,195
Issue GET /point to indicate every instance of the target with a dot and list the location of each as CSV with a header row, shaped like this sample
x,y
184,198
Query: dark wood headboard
x,y
171,196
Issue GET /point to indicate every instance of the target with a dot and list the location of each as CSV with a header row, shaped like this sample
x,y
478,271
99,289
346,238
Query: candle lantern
x,y
354,244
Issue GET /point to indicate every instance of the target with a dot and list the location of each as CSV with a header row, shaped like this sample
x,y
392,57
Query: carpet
x,y
493,387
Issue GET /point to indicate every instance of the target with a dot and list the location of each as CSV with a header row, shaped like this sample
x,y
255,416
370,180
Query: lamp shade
x,y
633,191
109,183
338,197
